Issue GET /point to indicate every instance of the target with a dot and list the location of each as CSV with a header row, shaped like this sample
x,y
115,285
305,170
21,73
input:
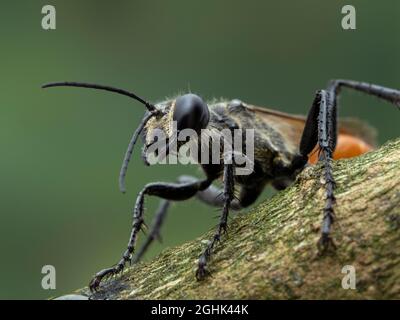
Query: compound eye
x,y
191,112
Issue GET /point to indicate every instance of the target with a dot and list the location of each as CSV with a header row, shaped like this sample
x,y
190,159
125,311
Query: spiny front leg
x,y
168,191
127,256
155,229
228,196
210,196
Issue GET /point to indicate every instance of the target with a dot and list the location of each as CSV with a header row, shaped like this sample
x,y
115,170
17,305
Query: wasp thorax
x,y
191,112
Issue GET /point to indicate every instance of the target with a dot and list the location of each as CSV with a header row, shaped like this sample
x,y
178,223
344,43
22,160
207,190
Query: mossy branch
x,y
270,251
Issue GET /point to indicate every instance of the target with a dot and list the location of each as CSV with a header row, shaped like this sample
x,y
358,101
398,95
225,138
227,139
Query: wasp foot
x,y
105,275
202,272
325,244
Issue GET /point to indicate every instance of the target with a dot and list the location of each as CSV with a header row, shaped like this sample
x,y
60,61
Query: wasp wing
x,y
291,127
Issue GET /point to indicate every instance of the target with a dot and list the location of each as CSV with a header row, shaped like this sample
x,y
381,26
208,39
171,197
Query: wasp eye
x,y
191,112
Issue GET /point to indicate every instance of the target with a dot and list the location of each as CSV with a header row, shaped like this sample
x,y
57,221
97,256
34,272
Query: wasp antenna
x,y
148,105
129,151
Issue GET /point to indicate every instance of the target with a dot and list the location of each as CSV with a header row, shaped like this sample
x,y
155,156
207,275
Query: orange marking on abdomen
x,y
347,147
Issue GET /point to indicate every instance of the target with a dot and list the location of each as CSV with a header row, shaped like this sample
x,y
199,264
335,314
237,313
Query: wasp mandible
x,y
284,145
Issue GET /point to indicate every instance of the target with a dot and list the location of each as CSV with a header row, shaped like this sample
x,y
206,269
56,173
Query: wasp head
x,y
188,111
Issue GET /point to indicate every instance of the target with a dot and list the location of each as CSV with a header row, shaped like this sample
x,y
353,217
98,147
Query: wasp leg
x,y
211,196
320,128
228,196
225,199
155,229
168,191
214,196
388,94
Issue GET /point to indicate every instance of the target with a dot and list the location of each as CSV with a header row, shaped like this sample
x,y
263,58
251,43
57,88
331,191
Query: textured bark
x,y
270,251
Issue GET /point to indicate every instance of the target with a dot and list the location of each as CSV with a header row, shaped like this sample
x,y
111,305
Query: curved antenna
x,y
129,151
148,105
153,112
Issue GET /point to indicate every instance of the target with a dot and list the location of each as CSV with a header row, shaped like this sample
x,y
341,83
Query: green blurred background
x,y
61,150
